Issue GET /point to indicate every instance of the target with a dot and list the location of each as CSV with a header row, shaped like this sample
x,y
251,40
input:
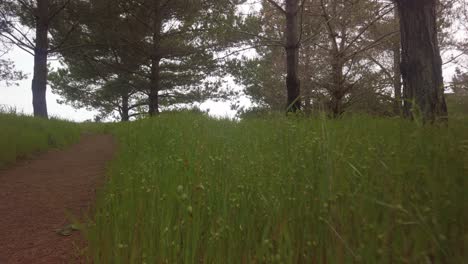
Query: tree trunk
x,y
39,82
292,56
307,86
337,89
396,71
421,65
307,92
154,87
397,78
155,61
125,108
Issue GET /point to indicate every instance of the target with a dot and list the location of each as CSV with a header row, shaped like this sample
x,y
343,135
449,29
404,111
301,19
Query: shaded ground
x,y
38,196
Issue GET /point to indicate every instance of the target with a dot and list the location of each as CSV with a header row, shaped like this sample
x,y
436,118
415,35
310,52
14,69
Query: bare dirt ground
x,y
38,196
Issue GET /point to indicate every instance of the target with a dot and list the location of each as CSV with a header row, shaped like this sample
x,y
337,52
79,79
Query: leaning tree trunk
x,y
421,65
39,82
292,56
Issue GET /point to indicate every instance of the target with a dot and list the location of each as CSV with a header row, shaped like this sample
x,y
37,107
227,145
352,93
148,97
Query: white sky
x,y
20,97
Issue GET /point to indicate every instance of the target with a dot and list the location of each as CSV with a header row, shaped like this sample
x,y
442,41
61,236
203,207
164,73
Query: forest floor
x,y
40,198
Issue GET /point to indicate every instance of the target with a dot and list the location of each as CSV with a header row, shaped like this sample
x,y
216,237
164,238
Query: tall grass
x,y
21,135
189,189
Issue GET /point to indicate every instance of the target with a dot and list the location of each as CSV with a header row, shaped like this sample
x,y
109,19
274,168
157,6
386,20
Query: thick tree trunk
x,y
292,56
125,116
39,82
421,65
155,61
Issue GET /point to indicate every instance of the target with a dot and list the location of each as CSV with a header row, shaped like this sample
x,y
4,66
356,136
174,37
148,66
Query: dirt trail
x,y
37,196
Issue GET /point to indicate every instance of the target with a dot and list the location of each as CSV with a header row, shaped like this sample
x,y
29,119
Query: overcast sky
x,y
20,97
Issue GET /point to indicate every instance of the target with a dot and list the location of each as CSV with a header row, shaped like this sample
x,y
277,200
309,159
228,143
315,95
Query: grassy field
x,y
188,189
21,136
457,105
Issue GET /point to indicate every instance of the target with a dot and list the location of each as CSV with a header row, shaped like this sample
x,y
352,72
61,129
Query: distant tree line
x,y
138,57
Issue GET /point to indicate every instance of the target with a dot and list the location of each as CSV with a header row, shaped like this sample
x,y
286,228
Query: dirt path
x,y
37,196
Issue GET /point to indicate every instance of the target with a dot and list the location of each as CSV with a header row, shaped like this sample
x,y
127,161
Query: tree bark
x,y
125,108
292,56
39,82
306,84
421,65
337,82
154,87
155,61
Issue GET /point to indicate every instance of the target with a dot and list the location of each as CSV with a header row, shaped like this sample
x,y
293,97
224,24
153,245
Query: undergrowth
x,y
185,188
22,136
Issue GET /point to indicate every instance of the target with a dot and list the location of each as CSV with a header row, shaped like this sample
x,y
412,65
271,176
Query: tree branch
x,y
56,12
368,26
277,6
371,45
